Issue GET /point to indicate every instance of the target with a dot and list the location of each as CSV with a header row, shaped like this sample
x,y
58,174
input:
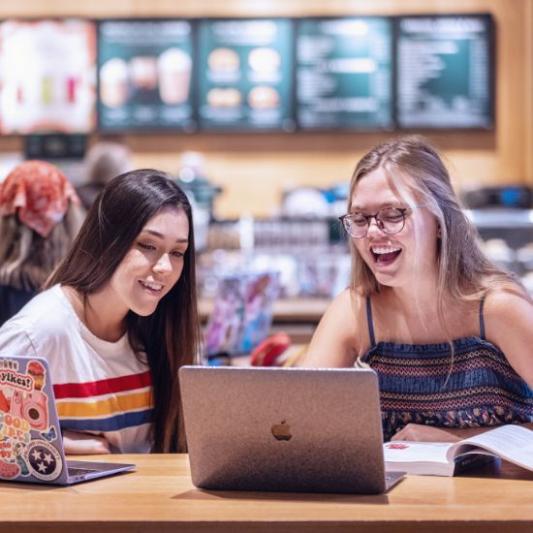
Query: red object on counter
x,y
267,352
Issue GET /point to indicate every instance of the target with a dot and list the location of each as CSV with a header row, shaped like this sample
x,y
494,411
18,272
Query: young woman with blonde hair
x,y
448,333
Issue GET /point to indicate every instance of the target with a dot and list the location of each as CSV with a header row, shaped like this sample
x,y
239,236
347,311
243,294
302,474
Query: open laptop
x,y
31,447
284,429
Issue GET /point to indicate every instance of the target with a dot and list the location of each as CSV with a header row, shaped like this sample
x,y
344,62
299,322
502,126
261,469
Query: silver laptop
x,y
31,447
284,429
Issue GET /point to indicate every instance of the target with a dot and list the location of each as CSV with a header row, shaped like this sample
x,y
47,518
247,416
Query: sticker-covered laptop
x,y
31,445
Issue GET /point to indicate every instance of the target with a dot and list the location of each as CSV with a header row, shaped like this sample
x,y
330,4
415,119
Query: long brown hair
x,y
170,336
464,272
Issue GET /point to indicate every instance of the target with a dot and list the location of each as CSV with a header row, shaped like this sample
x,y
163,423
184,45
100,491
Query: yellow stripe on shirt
x,y
107,407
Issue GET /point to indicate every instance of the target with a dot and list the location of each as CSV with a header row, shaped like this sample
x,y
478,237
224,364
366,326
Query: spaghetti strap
x,y
370,322
481,319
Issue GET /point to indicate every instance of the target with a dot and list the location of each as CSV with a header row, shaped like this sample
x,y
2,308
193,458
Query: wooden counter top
x,y
159,497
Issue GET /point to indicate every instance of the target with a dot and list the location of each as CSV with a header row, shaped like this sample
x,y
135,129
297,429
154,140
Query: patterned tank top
x,y
418,384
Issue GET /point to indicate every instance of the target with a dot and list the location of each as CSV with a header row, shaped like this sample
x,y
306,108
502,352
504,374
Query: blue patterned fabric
x,y
422,384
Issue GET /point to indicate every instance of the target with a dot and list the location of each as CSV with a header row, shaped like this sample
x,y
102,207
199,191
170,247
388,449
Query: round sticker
x,y
44,460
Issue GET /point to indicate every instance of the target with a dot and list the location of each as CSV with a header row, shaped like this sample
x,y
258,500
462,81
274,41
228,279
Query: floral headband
x,y
39,193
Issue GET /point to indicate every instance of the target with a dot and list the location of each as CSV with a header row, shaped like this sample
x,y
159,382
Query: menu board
x,y
344,73
245,74
144,75
47,76
444,72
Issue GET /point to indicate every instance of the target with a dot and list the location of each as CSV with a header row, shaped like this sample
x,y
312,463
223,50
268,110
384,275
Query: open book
x,y
512,443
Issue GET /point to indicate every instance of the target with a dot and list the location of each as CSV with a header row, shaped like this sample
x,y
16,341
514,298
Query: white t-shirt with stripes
x,y
100,387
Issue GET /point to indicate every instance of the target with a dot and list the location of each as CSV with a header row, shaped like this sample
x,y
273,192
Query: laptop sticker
x,y
9,470
51,435
44,460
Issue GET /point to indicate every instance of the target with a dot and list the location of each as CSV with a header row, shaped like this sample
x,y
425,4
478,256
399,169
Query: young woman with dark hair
x,y
118,319
447,331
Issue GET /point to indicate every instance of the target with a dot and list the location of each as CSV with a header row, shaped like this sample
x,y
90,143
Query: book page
x,y
408,451
511,442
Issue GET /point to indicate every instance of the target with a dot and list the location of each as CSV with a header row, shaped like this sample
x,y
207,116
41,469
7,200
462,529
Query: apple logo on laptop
x,y
281,431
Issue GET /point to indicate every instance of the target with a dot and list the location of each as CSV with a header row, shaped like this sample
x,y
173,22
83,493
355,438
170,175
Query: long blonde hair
x,y
464,272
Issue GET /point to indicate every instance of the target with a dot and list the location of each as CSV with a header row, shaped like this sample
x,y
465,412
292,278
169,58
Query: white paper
x,y
511,442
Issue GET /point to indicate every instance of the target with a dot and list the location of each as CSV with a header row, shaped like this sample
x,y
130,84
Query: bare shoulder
x,y
508,304
348,300
337,338
346,310
508,314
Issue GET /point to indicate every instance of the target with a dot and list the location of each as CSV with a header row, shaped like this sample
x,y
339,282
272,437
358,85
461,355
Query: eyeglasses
x,y
389,220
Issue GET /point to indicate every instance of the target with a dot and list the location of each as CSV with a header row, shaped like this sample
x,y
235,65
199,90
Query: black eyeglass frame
x,y
405,212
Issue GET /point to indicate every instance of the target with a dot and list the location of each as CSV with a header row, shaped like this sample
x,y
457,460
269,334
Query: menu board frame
x,y
392,82
491,78
147,130
291,118
93,128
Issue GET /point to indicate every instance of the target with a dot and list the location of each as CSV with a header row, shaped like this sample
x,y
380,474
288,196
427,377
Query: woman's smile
x,y
385,255
152,288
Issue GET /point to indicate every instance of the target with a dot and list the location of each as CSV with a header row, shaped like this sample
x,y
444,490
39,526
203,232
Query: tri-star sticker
x,y
42,460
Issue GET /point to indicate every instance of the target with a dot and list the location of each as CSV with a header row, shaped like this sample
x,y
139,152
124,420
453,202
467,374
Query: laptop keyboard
x,y
73,471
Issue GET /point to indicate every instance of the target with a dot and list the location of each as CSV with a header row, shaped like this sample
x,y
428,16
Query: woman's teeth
x,y
152,286
384,249
385,254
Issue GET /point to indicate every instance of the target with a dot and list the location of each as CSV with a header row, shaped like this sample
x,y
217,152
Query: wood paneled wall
x,y
254,169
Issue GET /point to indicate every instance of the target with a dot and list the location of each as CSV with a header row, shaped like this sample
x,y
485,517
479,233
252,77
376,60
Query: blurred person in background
x,y
103,161
40,215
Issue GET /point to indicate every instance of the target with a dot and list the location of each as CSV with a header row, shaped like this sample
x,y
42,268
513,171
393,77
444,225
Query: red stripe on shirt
x,y
103,386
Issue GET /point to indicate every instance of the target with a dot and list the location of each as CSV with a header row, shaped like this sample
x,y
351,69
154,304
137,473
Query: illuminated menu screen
x,y
144,75
444,72
344,73
47,81
245,74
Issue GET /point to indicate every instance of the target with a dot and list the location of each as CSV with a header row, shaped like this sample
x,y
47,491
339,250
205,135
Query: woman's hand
x,y
421,433
84,444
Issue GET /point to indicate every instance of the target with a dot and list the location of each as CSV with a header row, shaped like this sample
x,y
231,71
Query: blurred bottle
x,y
192,179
